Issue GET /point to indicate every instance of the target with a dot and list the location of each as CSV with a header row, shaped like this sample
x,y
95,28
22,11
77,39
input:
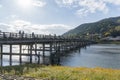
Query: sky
x,y
53,16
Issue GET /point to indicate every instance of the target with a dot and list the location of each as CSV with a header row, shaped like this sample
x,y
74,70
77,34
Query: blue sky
x,y
53,16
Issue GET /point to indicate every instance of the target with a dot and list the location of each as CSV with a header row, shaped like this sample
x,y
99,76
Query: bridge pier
x,y
10,54
20,52
31,46
51,54
43,45
1,55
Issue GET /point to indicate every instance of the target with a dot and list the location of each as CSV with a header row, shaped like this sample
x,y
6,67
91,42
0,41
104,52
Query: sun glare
x,y
25,3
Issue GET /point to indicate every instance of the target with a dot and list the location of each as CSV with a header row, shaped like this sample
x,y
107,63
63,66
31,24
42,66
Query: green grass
x,y
62,73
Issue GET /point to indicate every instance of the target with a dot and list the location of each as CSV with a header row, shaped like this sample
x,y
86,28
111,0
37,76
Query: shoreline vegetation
x,y
41,72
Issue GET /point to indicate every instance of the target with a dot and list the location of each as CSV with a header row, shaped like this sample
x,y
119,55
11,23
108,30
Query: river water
x,y
98,55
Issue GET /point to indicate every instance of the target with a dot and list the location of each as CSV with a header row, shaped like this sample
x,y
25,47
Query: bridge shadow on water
x,y
68,53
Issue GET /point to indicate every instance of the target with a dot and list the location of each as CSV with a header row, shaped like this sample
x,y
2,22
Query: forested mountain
x,y
105,27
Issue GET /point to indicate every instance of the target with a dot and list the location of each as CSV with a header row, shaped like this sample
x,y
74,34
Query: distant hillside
x,y
105,27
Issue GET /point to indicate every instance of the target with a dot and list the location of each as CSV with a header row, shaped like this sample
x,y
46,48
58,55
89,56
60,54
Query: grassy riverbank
x,y
62,73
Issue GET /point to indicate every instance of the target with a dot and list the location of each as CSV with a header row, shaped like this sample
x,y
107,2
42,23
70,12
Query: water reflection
x,y
98,55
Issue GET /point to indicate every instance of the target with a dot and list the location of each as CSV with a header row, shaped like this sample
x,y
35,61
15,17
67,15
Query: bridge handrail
x,y
21,35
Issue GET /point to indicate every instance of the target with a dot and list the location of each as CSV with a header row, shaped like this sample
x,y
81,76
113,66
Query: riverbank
x,y
108,42
38,72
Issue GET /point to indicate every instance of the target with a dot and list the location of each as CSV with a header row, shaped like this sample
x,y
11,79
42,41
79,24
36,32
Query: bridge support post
x,y
10,54
51,54
58,53
36,55
31,53
20,57
1,55
43,53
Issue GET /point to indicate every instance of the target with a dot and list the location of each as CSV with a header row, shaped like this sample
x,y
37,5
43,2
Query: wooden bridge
x,y
37,45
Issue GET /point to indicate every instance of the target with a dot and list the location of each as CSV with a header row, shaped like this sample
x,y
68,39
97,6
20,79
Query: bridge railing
x,y
24,36
4,35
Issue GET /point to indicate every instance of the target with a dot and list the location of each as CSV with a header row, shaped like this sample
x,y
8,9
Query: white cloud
x,y
29,3
12,17
5,27
82,12
66,3
91,6
115,2
39,3
1,6
84,7
28,27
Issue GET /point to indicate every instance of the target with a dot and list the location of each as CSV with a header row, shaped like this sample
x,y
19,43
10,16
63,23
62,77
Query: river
x,y
97,55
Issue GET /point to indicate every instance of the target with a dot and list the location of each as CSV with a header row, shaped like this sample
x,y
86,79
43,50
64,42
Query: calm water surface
x,y
98,55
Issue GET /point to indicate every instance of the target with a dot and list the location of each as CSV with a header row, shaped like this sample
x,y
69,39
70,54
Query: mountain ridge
x,y
107,27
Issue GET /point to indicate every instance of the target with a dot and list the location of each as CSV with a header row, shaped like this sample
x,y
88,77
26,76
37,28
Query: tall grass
x,y
63,73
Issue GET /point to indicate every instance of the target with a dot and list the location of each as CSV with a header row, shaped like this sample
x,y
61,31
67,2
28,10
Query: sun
x,y
25,3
